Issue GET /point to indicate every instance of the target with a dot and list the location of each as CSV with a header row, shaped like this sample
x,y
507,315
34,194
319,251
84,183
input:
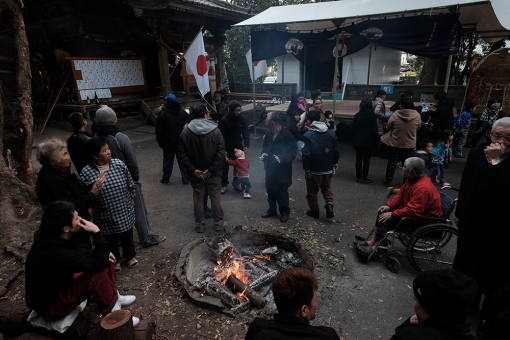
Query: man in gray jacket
x,y
202,151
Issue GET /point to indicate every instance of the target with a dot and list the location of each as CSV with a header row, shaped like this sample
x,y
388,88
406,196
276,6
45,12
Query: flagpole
x,y
254,100
335,79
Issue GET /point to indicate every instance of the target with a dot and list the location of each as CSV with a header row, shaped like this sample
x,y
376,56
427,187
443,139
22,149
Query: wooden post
x,y
164,73
237,286
118,325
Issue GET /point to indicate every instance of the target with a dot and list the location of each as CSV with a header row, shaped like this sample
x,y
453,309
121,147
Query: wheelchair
x,y
432,245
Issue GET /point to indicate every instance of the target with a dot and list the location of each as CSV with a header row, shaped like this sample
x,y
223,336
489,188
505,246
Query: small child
x,y
329,120
241,168
424,149
461,129
442,154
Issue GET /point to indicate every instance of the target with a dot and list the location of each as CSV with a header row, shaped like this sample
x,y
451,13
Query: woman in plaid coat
x,y
113,211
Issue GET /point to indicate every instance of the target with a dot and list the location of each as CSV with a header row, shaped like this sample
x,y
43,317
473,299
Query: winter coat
x,y
433,329
442,117
169,125
201,146
241,167
52,262
76,147
380,113
402,129
121,148
285,327
321,151
484,221
235,133
283,146
55,185
417,197
365,130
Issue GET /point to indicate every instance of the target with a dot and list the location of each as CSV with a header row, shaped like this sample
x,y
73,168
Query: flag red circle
x,y
255,63
201,65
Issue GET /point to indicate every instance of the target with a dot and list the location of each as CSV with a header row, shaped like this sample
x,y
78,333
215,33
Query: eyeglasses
x,y
498,136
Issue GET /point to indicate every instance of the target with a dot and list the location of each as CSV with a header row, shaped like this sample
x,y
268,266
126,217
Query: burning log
x,y
263,280
237,286
221,292
221,248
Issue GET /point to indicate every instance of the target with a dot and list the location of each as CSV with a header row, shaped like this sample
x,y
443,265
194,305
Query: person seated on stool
x,y
295,295
417,197
442,302
59,276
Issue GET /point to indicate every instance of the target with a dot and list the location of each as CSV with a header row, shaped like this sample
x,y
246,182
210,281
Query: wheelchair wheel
x,y
432,247
392,264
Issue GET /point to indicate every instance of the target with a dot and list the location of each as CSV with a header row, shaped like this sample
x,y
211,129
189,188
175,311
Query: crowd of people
x,y
107,191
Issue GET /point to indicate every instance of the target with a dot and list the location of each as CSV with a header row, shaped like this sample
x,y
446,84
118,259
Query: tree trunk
x,y
428,73
23,150
118,325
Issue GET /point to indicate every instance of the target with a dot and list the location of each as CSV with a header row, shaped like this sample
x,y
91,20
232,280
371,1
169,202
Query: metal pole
x,y
254,101
303,90
369,64
346,76
448,70
335,79
283,76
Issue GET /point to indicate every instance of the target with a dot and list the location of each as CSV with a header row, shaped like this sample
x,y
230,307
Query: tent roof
x,y
490,16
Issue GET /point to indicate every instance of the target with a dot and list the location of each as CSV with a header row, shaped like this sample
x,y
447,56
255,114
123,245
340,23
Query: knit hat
x,y
445,294
239,153
105,116
233,105
170,98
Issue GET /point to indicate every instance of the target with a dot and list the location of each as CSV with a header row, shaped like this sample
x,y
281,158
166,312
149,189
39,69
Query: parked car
x,y
270,80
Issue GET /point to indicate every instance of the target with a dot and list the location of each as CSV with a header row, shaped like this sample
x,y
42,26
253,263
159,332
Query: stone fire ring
x,y
196,251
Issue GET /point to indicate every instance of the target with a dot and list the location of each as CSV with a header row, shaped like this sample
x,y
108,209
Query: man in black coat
x,y
278,152
482,214
60,276
442,117
235,132
76,143
295,296
169,124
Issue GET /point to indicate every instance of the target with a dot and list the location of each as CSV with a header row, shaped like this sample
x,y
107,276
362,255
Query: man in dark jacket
x,y
235,132
442,117
76,143
320,157
295,296
169,124
53,287
442,301
278,152
121,148
202,151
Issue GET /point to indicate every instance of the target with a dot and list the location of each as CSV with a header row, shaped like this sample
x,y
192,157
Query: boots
x,y
388,182
329,210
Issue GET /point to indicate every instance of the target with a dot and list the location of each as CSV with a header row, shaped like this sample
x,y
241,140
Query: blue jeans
x,y
439,172
168,165
244,182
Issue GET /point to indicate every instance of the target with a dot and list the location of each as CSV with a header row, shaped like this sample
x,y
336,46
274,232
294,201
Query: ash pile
x,y
242,278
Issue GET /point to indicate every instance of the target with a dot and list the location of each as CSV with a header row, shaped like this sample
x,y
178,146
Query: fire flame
x,y
231,267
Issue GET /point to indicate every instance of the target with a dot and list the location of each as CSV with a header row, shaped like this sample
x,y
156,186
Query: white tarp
x,y
484,15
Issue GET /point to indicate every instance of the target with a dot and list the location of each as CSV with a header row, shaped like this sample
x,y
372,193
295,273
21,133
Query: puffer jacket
x,y
442,117
321,151
201,147
402,129
380,113
169,125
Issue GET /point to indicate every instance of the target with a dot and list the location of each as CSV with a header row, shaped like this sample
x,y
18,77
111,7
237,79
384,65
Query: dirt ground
x,y
360,300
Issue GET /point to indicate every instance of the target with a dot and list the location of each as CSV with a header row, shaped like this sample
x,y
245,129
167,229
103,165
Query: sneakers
x,y
136,321
246,195
123,300
220,226
445,184
312,213
223,189
153,239
329,210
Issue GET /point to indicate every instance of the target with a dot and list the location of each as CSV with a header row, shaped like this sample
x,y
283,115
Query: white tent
x,y
491,18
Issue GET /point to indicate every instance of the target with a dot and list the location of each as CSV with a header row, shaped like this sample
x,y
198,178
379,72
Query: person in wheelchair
x,y
418,197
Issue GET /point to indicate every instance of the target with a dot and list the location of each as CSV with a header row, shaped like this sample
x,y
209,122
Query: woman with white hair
x,y
57,182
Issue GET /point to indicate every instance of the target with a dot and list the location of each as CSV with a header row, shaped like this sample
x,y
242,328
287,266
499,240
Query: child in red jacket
x,y
241,176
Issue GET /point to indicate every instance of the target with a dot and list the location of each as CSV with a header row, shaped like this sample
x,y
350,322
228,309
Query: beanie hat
x,y
233,105
239,153
445,294
170,98
105,116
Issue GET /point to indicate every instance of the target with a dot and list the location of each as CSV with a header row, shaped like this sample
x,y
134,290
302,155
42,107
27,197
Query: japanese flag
x,y
260,66
195,58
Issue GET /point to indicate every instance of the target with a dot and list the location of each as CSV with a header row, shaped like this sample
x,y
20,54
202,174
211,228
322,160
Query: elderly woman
x,y
56,182
402,130
483,128
113,211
